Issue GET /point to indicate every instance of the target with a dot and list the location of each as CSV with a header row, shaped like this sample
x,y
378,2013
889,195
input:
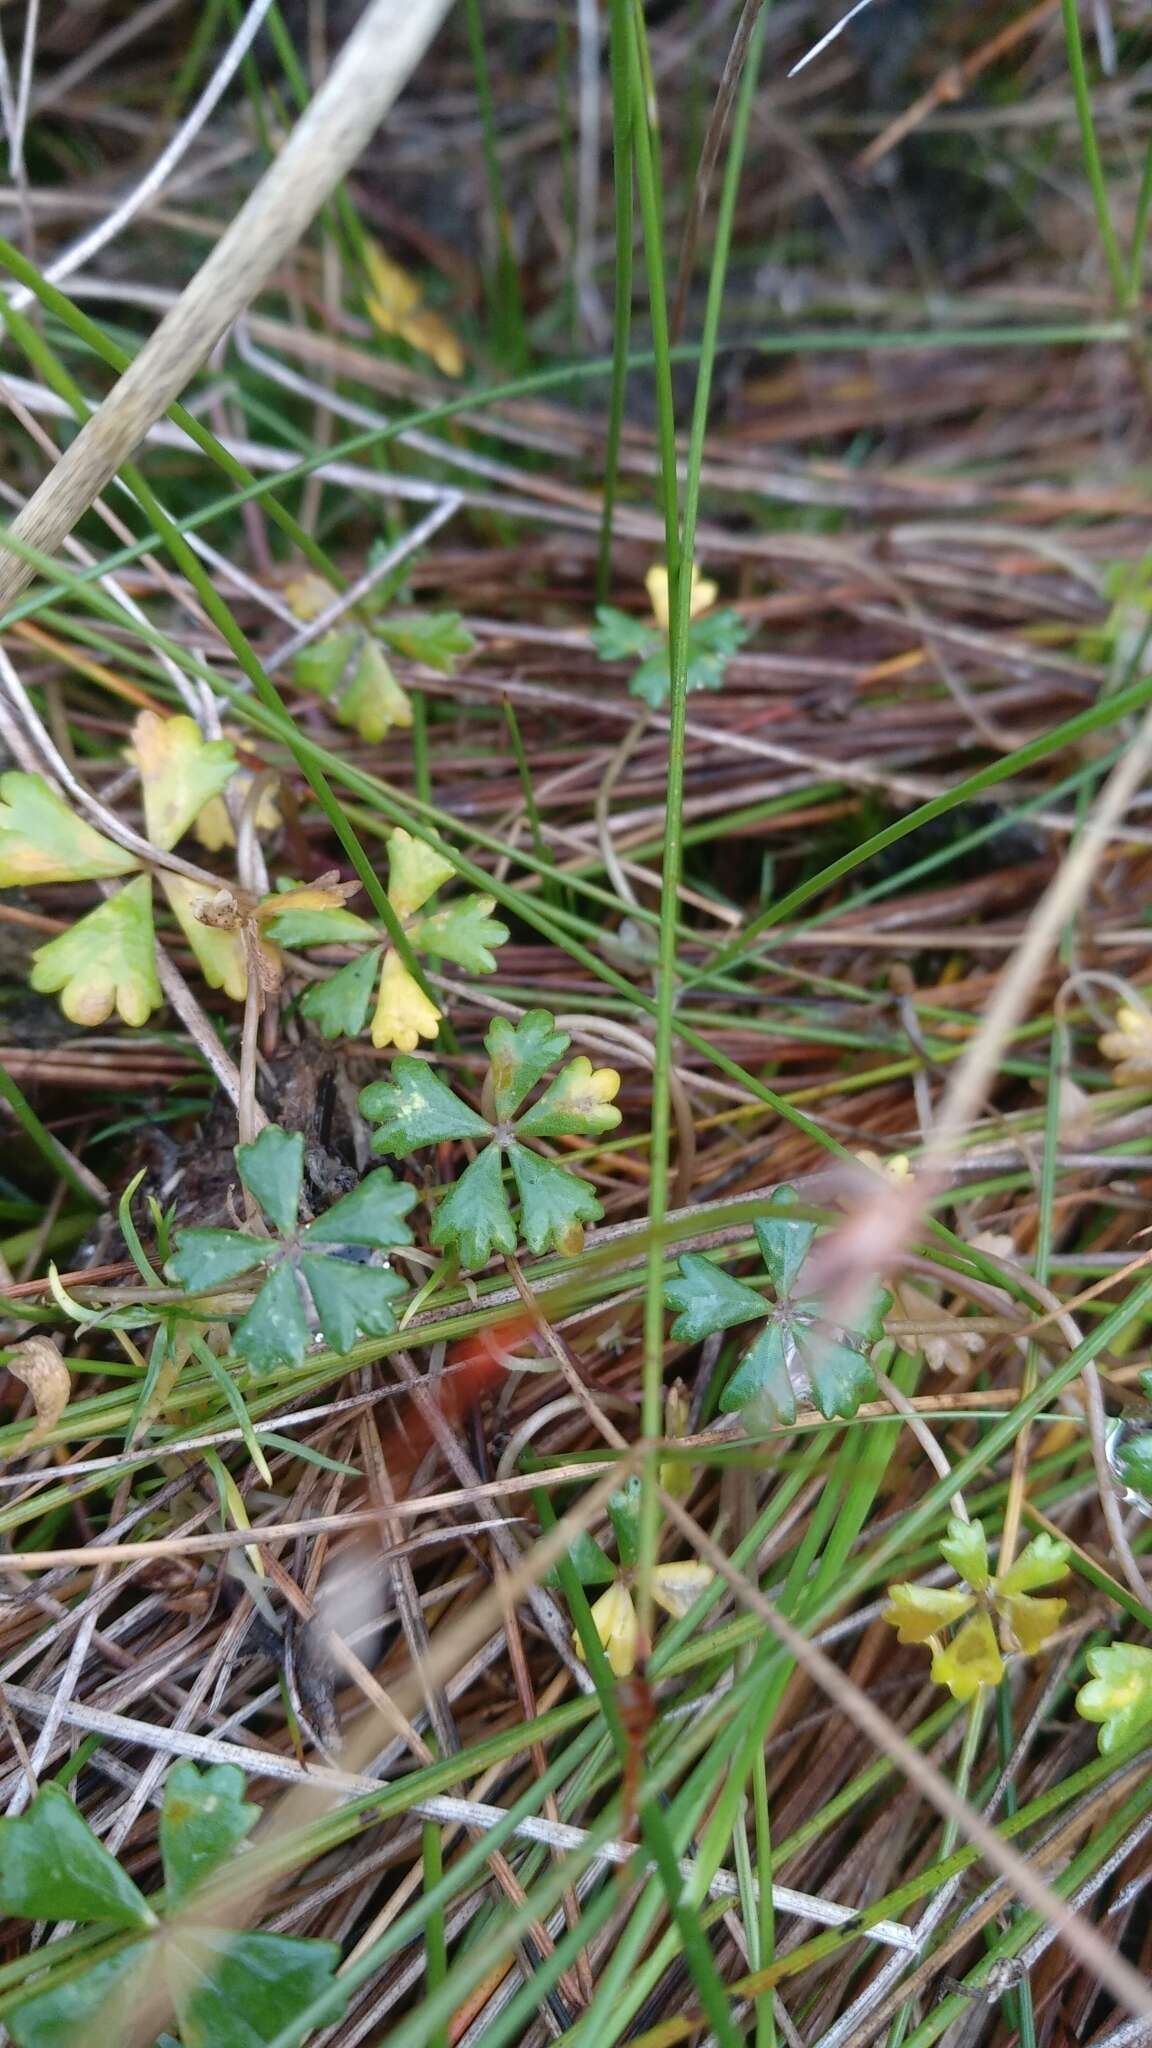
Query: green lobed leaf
x,y
554,1204
624,1513
94,2008
207,1258
784,1242
437,639
272,1170
42,839
476,1215
578,1103
241,1990
1134,1459
351,1300
617,636
339,1006
520,1055
275,1330
53,1868
709,1299
761,1388
372,700
1119,1694
1042,1562
414,1108
203,1817
840,1376
464,933
373,1214
653,679
105,962
298,928
592,1565
965,1548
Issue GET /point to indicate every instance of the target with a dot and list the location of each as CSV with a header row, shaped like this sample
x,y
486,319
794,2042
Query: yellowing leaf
x,y
896,1168
1043,1562
416,870
106,962
309,596
326,893
396,306
213,827
614,1619
180,772
1119,1693
404,1014
42,840
965,1548
676,1475
1027,1623
920,1612
219,952
947,1344
1129,1047
677,1587
970,1660
702,597
39,1366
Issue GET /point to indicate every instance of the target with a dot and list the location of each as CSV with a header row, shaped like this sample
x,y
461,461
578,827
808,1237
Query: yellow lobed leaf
x,y
614,1619
180,771
327,892
105,962
395,305
308,596
676,1587
404,1015
1128,1048
416,870
219,950
42,839
676,1476
1027,1623
970,1660
920,1612
702,594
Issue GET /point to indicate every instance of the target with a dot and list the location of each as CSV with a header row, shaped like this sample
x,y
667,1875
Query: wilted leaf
x,y
520,1055
42,840
476,1215
464,933
435,639
180,772
53,1868
241,1990
339,1006
37,1364
416,869
203,1817
580,1102
219,953
1118,1694
403,1014
105,962
416,1108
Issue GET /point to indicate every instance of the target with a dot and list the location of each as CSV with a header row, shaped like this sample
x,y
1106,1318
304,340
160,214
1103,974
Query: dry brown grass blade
x,y
371,70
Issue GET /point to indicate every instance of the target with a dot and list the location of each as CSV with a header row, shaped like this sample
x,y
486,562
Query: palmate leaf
x,y
53,1868
272,1170
437,639
204,1816
554,1204
521,1055
42,840
709,1299
339,1006
414,1108
104,962
464,933
241,1990
275,1330
96,2007
180,772
476,1215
